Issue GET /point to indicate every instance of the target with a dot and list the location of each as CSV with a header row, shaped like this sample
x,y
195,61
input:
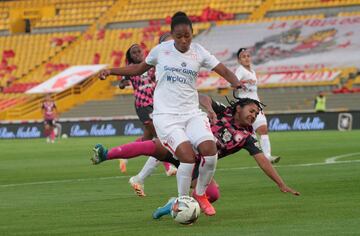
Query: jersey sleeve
x,y
152,57
239,73
252,146
209,61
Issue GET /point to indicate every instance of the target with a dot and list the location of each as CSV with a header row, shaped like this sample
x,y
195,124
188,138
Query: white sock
x,y
265,145
184,177
206,172
148,169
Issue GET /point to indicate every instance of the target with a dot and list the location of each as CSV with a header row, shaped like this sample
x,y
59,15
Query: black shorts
x,y
144,113
49,122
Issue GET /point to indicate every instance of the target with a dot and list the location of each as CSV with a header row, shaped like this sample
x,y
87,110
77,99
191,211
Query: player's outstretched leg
x,y
100,153
164,210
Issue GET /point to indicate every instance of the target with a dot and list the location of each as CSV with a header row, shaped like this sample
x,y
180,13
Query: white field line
x,y
331,160
328,161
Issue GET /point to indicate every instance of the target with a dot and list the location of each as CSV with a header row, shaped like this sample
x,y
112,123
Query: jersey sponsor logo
x,y
181,70
226,136
183,64
173,79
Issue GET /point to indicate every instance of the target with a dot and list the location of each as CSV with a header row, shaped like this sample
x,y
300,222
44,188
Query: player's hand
x,y
286,189
238,85
103,74
212,117
123,84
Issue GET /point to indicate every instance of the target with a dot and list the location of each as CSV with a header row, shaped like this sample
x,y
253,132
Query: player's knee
x,y
185,153
207,148
213,192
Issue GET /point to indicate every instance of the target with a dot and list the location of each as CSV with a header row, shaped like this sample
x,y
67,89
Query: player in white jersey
x,y
180,125
247,77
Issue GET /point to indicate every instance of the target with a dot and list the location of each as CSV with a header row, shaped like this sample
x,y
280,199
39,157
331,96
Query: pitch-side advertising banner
x,y
66,79
342,121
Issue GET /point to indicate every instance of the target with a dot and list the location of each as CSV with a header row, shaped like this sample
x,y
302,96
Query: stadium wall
x,y
130,126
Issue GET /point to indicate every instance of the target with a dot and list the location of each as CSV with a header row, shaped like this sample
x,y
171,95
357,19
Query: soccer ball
x,y
185,210
64,136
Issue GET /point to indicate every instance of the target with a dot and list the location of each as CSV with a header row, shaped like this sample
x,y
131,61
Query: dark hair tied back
x,y
180,18
243,102
128,57
240,51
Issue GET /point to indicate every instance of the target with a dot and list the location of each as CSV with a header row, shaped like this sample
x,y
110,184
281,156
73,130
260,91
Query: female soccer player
x,y
232,126
247,77
144,87
49,113
179,123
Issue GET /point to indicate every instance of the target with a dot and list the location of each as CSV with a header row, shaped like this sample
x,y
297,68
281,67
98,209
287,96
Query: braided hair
x,y
242,102
129,59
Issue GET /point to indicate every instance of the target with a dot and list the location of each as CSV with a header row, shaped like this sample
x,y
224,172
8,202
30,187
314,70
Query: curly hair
x,y
242,102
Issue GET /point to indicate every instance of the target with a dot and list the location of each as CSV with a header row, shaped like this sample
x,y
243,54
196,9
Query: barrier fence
x,y
130,126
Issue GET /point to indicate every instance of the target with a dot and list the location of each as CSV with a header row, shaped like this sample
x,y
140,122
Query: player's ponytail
x,y
242,102
239,52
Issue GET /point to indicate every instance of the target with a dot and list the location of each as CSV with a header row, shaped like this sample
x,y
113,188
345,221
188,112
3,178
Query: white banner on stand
x,y
66,79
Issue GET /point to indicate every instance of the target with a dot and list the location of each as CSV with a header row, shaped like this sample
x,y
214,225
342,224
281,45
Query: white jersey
x,y
176,75
249,77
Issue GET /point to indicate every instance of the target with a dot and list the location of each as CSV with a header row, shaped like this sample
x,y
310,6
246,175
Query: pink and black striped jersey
x,y
231,137
144,86
49,110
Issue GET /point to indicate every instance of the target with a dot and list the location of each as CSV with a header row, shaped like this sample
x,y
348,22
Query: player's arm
x,y
131,70
270,171
43,109
206,102
227,74
266,166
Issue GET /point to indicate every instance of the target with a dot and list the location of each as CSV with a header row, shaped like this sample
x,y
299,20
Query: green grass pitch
x,y
52,189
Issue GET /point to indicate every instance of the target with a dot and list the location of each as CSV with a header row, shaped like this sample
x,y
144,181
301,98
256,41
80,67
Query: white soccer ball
x,y
64,136
185,210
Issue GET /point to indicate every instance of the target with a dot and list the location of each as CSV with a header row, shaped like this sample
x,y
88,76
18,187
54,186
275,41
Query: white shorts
x,y
174,129
260,121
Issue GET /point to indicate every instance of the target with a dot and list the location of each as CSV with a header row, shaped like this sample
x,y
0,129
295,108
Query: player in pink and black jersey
x,y
232,127
49,110
144,86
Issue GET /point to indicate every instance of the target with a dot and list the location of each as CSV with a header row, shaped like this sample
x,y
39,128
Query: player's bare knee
x,y
185,153
207,148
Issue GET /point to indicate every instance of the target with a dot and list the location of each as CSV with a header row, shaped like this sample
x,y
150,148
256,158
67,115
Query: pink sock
x,y
131,150
52,135
212,192
166,165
